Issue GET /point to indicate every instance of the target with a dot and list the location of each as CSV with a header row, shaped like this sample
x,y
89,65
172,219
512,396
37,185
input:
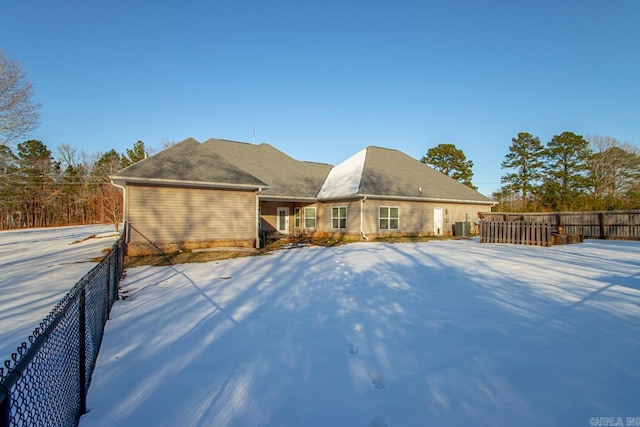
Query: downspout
x,y
258,191
124,205
364,236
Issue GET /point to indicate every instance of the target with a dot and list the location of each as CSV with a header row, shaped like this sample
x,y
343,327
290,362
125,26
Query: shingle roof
x,y
391,173
373,171
286,176
189,162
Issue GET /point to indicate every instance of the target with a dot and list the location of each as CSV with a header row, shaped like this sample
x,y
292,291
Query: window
x,y
389,217
296,217
339,217
309,217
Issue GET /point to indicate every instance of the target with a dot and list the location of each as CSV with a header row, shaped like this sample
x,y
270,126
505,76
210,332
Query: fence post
x,y
601,224
82,350
110,281
5,417
114,289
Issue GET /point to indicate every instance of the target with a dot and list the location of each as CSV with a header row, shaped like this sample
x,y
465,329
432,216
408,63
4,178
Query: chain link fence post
x,y
82,349
4,407
47,379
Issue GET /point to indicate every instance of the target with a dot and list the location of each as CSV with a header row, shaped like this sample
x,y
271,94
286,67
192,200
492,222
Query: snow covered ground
x,y
37,268
377,334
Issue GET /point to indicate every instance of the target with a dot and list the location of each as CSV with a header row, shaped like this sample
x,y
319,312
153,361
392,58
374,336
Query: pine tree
x,y
134,155
525,156
36,174
451,161
565,170
8,195
106,200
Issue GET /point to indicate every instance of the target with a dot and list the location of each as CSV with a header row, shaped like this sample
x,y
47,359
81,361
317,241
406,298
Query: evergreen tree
x,y
73,191
451,161
134,155
565,171
36,173
8,182
108,164
106,200
525,156
70,192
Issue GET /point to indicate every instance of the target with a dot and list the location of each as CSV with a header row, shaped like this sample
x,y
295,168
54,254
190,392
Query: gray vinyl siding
x,y
171,214
353,216
417,217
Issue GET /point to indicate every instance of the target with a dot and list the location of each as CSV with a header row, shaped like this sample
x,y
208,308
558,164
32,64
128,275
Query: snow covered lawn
x,y
377,334
38,267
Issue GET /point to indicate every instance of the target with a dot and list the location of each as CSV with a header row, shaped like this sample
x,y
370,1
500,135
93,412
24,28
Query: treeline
x,y
38,189
569,173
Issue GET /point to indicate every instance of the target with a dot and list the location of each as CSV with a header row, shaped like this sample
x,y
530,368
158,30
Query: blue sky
x,y
321,80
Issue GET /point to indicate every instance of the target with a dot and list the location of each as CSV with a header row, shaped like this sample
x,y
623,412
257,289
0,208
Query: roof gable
x,y
188,162
286,176
383,172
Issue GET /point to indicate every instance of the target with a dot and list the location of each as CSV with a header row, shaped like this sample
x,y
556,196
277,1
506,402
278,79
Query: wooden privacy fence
x,y
624,225
515,232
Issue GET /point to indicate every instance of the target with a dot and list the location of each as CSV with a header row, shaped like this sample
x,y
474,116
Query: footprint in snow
x,y
378,421
354,348
377,381
358,327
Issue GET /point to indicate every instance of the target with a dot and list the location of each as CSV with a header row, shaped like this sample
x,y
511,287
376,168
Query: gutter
x,y
124,201
270,198
430,199
364,236
183,183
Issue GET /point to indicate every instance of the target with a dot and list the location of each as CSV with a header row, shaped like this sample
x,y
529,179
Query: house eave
x,y
183,183
334,198
287,198
427,199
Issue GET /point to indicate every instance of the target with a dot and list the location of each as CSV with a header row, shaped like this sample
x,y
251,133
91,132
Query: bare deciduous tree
x,y
614,169
18,113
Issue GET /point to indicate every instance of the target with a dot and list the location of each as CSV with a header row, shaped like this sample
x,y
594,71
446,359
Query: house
x,y
225,193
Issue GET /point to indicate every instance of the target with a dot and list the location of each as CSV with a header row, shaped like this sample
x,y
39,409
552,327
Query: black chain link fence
x,y
45,383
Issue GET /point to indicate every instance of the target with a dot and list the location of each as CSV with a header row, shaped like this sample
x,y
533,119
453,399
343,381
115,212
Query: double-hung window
x,y
339,217
309,217
389,218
